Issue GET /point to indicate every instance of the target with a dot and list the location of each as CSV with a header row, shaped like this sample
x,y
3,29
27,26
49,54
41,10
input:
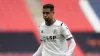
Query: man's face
x,y
47,15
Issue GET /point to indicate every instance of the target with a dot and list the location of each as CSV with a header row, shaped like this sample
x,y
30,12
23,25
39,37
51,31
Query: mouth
x,y
46,19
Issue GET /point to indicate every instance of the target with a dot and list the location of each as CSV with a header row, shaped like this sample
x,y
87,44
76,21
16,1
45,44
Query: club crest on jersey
x,y
55,31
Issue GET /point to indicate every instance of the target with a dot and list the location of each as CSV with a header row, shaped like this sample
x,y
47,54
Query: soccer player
x,y
54,36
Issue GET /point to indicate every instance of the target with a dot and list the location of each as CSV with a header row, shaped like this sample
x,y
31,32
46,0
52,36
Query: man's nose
x,y
45,14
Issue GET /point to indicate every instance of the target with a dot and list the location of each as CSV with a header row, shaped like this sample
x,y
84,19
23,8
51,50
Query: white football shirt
x,y
54,38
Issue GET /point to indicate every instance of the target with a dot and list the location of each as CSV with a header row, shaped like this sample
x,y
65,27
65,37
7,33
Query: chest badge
x,y
55,31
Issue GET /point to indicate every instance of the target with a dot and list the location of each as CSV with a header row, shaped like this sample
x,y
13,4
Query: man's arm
x,y
68,36
71,46
39,51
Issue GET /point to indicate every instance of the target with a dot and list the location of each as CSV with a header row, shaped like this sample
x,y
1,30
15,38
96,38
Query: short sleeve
x,y
65,31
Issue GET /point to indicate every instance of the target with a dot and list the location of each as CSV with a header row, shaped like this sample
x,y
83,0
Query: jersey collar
x,y
50,23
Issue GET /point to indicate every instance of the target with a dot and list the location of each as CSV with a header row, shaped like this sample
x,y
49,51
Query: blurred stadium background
x,y
19,20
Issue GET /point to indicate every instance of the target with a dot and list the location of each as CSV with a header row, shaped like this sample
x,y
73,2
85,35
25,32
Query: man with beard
x,y
54,36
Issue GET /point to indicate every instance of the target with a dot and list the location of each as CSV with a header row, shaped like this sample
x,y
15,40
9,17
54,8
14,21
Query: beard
x,y
48,20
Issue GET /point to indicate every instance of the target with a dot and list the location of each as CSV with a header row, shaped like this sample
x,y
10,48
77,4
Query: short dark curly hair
x,y
51,6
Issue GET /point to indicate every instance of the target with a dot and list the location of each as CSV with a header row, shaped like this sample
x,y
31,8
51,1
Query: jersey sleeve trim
x,y
61,24
69,38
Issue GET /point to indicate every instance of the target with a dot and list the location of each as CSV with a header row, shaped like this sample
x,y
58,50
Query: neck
x,y
51,22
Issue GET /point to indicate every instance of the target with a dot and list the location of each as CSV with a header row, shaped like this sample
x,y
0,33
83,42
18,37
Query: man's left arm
x,y
71,46
68,36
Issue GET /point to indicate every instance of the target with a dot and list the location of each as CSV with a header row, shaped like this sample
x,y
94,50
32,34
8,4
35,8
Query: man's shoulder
x,y
58,23
42,24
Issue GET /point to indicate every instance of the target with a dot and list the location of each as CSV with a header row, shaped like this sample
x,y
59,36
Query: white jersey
x,y
54,38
